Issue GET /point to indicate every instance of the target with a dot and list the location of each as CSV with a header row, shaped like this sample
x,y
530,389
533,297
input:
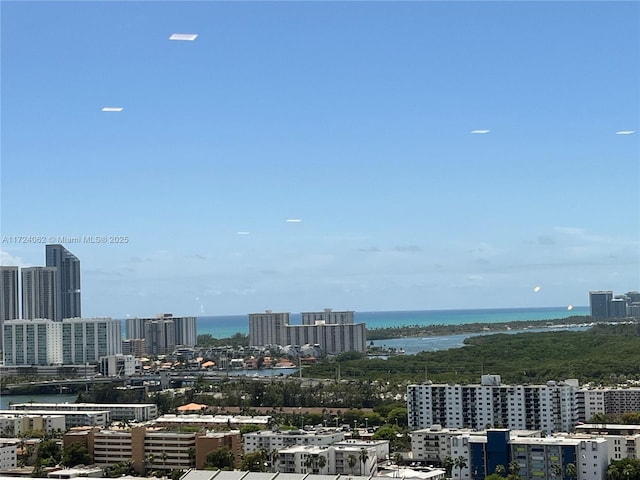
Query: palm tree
x,y
322,462
351,461
571,470
364,456
500,470
231,458
164,460
308,462
447,464
460,463
628,471
556,470
514,468
273,456
148,462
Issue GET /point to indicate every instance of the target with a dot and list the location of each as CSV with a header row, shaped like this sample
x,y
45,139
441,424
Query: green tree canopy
x,y
75,454
254,462
221,459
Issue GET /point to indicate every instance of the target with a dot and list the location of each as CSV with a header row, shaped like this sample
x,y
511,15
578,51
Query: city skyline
x,y
293,155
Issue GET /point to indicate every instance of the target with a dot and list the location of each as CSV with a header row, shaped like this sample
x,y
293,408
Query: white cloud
x,y
185,37
6,259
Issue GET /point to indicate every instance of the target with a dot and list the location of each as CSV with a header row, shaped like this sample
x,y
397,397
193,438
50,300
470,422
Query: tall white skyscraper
x,y
67,281
39,293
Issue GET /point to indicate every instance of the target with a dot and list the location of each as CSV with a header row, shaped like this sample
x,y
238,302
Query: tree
x,y
398,416
49,453
322,462
364,456
120,469
514,469
447,464
556,470
273,456
75,454
571,470
500,470
460,463
308,462
351,461
628,472
221,459
149,458
254,462
624,469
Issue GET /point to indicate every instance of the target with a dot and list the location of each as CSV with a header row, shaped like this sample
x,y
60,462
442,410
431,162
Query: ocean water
x,y
226,326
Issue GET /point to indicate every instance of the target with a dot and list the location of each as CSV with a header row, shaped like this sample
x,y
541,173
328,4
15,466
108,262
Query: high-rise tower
x,y
9,306
600,303
38,292
67,280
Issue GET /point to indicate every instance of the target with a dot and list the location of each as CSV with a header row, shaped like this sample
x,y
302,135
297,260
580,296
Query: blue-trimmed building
x,y
536,458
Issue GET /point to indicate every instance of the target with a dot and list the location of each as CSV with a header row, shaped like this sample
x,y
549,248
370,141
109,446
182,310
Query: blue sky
x,y
354,117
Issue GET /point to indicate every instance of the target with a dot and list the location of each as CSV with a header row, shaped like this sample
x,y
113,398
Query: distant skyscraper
x,y
38,293
9,306
618,307
600,303
328,316
159,337
267,328
333,332
184,329
67,280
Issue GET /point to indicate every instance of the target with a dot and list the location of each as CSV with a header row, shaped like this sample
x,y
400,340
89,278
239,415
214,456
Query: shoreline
x,y
407,331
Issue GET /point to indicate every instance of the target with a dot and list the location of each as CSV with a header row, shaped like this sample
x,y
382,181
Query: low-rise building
x,y
140,412
72,418
8,454
535,457
269,440
212,441
210,421
381,446
67,473
328,460
154,448
119,365
19,423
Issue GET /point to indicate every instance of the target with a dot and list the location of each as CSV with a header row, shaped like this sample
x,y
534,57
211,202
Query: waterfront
x,y
413,345
227,326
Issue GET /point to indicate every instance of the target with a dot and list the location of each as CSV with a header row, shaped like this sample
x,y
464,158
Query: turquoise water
x,y
226,326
